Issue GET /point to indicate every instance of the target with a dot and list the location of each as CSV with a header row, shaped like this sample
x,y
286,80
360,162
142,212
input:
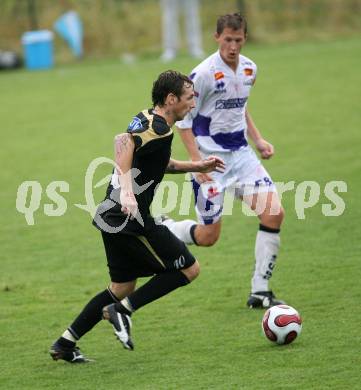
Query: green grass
x,y
306,101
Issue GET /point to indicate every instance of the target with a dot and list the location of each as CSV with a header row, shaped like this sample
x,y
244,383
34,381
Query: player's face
x,y
230,43
185,103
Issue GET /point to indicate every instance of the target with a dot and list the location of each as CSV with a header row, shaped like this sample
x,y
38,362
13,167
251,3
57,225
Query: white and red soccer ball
x,y
281,324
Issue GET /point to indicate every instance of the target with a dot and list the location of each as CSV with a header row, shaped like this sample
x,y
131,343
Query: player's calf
x,y
207,235
118,314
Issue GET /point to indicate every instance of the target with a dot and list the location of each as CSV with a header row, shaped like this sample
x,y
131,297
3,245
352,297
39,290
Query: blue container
x,y
38,49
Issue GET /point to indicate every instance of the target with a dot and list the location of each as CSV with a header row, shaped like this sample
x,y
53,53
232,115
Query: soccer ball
x,y
281,324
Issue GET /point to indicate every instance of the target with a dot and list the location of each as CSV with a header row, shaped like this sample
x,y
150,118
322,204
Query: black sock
x,y
91,314
155,288
65,343
267,229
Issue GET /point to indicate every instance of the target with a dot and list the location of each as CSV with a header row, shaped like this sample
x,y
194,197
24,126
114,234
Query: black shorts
x,y
130,257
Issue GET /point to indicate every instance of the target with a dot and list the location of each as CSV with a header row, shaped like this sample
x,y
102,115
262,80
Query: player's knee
x,y
281,214
121,290
192,272
278,217
273,219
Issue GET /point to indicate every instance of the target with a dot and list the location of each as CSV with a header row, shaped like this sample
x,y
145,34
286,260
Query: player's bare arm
x,y
123,150
265,148
190,144
211,163
193,152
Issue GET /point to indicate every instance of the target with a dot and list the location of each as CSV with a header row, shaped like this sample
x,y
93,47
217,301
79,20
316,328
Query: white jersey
x,y
218,120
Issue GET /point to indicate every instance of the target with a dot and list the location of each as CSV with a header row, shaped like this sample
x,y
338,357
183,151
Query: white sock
x,y
67,335
181,229
266,251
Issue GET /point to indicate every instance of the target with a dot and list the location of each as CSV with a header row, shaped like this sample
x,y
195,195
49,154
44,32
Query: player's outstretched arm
x,y
124,150
210,164
190,143
193,152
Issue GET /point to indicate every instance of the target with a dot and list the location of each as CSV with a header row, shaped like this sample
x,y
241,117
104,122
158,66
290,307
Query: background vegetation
x,y
115,27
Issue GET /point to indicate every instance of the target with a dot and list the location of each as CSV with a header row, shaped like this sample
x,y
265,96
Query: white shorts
x,y
244,175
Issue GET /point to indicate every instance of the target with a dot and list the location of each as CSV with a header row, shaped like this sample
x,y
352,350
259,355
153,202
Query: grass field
x,y
307,102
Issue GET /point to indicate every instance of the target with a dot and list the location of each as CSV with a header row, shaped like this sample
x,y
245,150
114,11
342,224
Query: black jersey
x,y
152,138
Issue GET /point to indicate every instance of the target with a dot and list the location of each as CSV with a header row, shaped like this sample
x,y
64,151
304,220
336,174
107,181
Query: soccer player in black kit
x,y
134,243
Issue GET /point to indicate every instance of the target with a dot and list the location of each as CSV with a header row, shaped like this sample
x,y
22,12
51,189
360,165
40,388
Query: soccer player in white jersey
x,y
221,124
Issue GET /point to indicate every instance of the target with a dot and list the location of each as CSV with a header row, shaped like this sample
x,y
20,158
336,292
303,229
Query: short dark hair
x,y
233,21
168,82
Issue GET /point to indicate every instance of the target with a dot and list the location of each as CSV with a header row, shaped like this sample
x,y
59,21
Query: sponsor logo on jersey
x,y
220,87
135,124
248,71
218,75
227,104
